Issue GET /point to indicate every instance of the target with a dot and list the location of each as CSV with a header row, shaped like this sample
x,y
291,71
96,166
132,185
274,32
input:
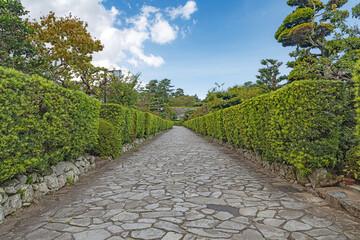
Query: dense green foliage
x,y
354,155
121,90
115,114
108,142
42,124
268,79
327,46
306,124
159,96
182,101
68,46
219,99
131,124
16,51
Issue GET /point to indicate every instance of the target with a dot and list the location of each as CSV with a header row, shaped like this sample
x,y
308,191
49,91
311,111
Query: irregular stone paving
x,y
180,186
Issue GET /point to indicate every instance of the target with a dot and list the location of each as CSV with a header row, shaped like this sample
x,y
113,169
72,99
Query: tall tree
x,y
178,93
16,50
325,44
160,89
123,90
268,79
68,45
165,89
152,87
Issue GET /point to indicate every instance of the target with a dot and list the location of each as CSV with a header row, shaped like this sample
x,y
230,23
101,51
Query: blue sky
x,y
225,45
195,43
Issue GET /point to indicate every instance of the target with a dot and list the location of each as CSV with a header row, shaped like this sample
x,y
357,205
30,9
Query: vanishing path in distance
x,y
180,186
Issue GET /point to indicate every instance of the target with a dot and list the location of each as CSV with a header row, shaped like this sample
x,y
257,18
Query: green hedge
x,y
307,124
131,124
115,114
353,157
108,142
42,124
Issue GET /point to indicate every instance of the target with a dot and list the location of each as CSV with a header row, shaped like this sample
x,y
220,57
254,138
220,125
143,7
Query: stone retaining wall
x,y
22,190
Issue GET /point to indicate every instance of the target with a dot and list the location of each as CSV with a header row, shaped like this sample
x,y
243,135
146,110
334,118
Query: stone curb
x,y
342,199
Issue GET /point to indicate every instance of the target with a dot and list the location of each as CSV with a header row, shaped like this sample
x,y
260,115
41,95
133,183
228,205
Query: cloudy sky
x,y
195,43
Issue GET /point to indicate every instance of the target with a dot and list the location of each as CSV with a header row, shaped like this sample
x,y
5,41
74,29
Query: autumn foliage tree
x,y
69,47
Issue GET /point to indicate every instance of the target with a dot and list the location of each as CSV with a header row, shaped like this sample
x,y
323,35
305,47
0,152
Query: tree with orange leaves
x,y
68,46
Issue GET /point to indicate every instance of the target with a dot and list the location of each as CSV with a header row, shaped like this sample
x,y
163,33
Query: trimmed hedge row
x,y
42,124
109,143
307,124
353,156
130,123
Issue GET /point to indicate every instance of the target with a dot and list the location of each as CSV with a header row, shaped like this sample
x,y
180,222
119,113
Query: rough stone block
x,y
2,214
76,170
9,186
76,178
21,178
41,187
3,196
51,182
12,204
28,195
317,176
62,180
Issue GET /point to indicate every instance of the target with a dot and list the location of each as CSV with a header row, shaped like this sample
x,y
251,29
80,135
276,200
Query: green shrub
x,y
129,130
353,157
140,124
177,123
352,167
148,124
42,124
115,114
108,142
131,123
307,124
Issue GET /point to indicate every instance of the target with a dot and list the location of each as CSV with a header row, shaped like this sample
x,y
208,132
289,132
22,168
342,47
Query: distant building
x,y
116,73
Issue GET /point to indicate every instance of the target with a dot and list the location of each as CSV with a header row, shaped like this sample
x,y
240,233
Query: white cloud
x,y
162,32
121,45
183,11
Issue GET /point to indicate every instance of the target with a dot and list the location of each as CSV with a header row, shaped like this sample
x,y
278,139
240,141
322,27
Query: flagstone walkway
x,y
180,186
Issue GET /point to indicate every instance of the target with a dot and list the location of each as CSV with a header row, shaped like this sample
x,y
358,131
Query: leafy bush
x,y
129,130
354,156
140,124
352,167
131,123
148,124
306,124
42,124
177,123
115,114
108,142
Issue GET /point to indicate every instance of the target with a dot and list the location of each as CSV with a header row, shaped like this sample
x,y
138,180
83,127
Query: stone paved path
x,y
181,186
